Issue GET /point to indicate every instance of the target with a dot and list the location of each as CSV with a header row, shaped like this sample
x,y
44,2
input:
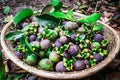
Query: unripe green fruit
x,y
95,45
31,59
41,53
45,64
54,35
54,57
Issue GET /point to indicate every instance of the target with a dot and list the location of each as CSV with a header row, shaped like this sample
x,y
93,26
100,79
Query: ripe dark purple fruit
x,y
98,57
66,55
32,77
45,64
54,57
57,43
60,67
87,62
73,49
19,54
79,65
98,37
73,36
45,44
80,29
24,24
40,30
64,22
35,44
31,59
63,39
71,25
19,26
32,37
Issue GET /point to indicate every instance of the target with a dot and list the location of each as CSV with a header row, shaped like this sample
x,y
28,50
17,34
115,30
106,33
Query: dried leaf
x,y
8,18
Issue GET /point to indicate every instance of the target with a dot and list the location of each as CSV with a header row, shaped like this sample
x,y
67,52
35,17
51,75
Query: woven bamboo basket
x,y
113,48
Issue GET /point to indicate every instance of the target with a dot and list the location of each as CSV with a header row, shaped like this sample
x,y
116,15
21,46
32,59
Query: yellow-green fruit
x,y
46,64
54,57
41,53
31,59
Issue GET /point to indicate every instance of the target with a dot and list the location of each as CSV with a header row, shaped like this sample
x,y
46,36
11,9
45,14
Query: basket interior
x,y
113,43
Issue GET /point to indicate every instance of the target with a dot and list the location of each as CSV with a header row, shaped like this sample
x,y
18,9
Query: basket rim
x,y
58,75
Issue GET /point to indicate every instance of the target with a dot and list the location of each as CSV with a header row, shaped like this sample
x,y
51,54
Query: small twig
x,y
14,1
96,6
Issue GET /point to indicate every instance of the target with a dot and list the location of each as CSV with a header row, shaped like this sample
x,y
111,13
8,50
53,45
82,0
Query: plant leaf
x,y
59,15
47,20
28,46
47,9
70,14
6,10
8,18
90,19
58,7
48,52
57,4
2,67
9,77
19,76
14,35
97,27
22,14
54,2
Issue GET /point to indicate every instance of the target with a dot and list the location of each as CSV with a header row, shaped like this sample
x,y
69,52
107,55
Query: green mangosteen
x,y
41,53
31,59
54,56
46,64
95,45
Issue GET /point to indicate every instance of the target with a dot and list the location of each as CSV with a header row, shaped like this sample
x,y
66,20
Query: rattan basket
x,y
113,48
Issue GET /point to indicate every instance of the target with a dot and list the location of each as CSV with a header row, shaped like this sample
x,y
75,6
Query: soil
x,y
111,15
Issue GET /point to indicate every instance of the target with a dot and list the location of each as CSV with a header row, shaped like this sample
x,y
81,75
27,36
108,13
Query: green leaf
x,y
24,41
27,44
48,52
2,67
9,77
90,19
6,10
97,27
58,7
22,14
8,18
47,9
14,35
70,14
57,4
54,2
59,15
19,76
47,20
